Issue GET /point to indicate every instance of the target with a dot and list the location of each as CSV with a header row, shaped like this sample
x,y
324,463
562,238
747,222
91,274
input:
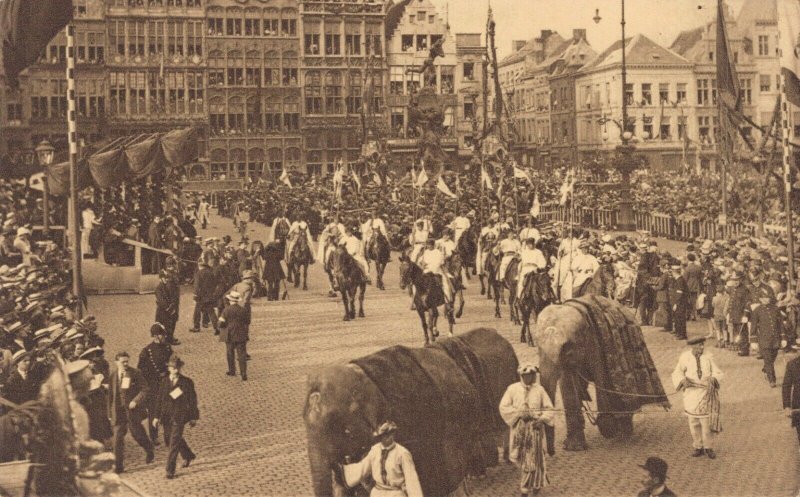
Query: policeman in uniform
x,y
167,304
679,300
153,366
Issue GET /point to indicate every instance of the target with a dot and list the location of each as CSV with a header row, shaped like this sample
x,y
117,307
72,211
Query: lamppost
x,y
627,164
44,152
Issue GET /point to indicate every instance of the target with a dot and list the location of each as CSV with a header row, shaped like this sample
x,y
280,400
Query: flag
x,y
789,44
26,27
442,187
356,174
536,208
567,187
285,178
500,187
521,173
727,79
485,178
422,178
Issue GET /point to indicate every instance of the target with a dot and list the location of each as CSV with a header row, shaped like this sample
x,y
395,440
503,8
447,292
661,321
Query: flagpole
x,y
786,119
72,137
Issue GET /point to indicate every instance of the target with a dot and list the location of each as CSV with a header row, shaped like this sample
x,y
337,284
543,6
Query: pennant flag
x,y
285,178
356,177
521,174
536,208
422,178
485,178
442,187
567,187
789,27
727,79
500,187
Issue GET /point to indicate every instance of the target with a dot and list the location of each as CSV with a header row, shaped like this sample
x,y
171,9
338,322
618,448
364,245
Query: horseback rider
x,y
531,259
419,237
486,240
530,231
280,218
352,245
328,238
583,268
298,229
509,248
431,259
372,225
460,225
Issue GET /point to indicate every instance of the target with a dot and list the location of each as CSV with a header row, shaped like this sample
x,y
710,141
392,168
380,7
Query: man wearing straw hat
x,y
234,325
526,408
697,375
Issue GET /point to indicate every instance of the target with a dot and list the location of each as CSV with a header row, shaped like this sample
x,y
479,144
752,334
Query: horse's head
x,y
543,288
406,270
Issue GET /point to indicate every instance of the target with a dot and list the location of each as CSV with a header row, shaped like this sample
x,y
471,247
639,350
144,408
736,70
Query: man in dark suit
x,y
21,386
679,300
168,299
233,323
127,392
739,314
205,283
177,405
766,326
694,282
644,298
153,366
791,393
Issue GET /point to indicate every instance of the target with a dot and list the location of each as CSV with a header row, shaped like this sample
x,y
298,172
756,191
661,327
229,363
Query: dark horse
x,y
300,257
467,249
509,282
537,293
378,251
350,281
428,297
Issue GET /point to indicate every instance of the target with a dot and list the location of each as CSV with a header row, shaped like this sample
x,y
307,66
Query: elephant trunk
x,y
321,469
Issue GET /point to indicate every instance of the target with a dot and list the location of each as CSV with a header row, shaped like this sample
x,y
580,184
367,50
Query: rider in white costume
x,y
353,247
296,230
280,217
509,248
460,225
418,238
530,259
327,239
431,260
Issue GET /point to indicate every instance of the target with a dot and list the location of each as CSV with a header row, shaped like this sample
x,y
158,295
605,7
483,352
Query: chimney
x,y
578,35
517,45
546,34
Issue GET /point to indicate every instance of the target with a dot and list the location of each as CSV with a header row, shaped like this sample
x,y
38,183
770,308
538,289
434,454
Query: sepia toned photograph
x,y
399,248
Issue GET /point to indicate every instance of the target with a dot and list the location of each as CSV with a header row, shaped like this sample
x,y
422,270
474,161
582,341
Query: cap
x,y
157,329
695,341
656,466
386,428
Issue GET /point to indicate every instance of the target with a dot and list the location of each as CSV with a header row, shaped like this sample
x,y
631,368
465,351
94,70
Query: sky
x,y
660,20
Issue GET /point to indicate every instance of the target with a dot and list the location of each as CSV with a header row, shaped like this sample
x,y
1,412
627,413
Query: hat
x,y
157,329
19,355
92,352
234,296
15,326
386,428
23,231
72,334
656,466
247,274
695,341
44,332
175,361
527,368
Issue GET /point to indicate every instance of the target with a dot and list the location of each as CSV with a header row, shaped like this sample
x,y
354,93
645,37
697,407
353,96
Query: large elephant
x,y
443,398
594,339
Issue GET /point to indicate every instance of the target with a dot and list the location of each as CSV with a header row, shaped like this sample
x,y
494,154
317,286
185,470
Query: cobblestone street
x,y
250,439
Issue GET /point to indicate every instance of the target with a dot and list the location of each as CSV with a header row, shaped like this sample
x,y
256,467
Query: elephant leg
x,y
571,388
549,379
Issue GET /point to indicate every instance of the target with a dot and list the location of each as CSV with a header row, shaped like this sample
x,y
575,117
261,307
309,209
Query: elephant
x,y
443,397
572,338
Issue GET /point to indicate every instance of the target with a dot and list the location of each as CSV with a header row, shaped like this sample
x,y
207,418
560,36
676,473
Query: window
x,y
238,164
116,93
421,15
194,39
765,82
333,93
407,42
354,100
396,78
289,72
135,38
647,94
412,83
333,39
469,111
288,27
275,157
217,116
664,131
272,116
763,45
373,42
711,56
647,127
311,39
629,93
235,71
215,26
703,123
291,115
271,23
682,127
398,122
233,27
681,94
235,115
448,79
422,43
254,114
469,71
272,67
713,92
175,38
39,107
746,91
313,93
663,93
14,113
252,71
252,27
196,90
702,92
353,44
137,88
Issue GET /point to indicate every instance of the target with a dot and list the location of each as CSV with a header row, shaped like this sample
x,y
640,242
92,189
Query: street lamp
x,y
626,166
45,153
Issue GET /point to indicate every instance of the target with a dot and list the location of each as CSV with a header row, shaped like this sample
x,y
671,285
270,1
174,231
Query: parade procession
x,y
399,248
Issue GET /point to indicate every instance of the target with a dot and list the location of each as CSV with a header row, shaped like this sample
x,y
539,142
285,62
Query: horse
x,y
280,235
300,257
428,297
350,281
378,251
537,293
467,249
488,268
455,266
508,282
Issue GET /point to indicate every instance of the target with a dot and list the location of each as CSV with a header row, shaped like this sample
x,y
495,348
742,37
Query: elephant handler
x,y
526,408
698,376
390,466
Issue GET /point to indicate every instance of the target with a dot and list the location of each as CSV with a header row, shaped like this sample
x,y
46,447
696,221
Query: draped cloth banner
x,y
108,168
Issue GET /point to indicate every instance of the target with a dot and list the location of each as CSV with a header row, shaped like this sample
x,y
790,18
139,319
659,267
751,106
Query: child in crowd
x,y
718,326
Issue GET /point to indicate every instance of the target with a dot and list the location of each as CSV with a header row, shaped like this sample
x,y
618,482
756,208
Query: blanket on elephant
x,y
628,366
